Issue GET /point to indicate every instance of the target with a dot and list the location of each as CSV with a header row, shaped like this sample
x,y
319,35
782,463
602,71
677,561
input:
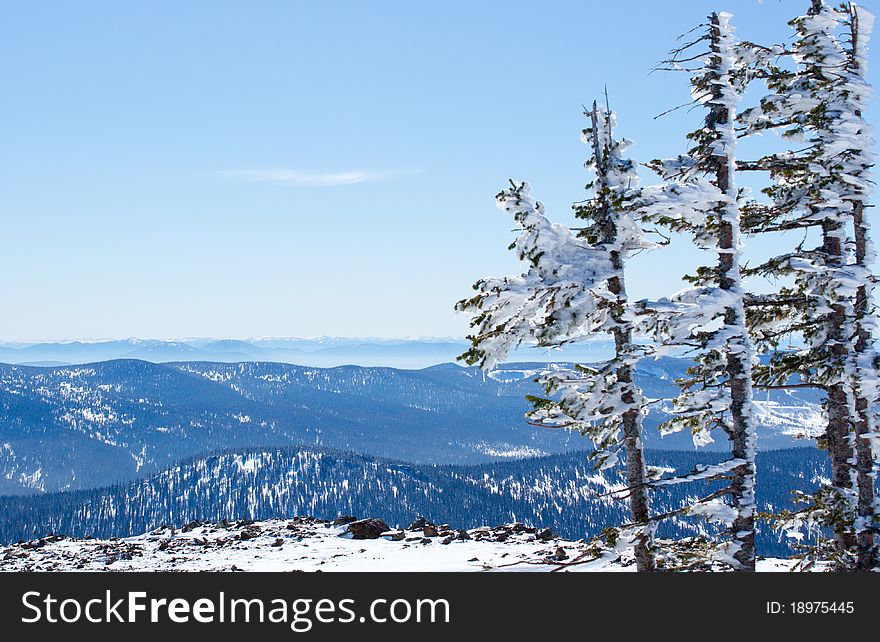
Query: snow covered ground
x,y
307,544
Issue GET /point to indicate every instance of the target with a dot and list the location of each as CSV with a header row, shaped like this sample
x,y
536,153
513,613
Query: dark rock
x,y
560,554
278,542
420,523
398,536
190,525
370,528
429,530
463,535
344,519
37,543
447,540
545,534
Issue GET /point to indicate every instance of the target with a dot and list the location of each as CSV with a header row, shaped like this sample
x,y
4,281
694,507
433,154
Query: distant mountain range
x,y
322,352
559,491
77,427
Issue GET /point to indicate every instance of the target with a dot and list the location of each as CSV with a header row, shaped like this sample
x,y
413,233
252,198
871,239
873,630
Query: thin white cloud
x,y
299,178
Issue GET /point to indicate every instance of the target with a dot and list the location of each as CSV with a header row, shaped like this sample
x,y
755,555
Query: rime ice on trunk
x,y
622,331
573,289
710,319
739,355
866,389
840,405
824,185
739,351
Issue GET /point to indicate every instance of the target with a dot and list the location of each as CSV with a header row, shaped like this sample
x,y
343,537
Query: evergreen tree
x,y
573,289
823,185
859,23
708,319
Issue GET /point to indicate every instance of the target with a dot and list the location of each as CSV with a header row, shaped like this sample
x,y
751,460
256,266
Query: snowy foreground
x,y
307,544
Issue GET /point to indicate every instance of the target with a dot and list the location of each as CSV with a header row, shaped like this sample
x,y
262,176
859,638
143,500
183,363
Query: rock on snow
x,y
309,544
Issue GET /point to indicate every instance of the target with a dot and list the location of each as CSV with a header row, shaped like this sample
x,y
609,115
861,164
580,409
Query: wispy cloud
x,y
299,178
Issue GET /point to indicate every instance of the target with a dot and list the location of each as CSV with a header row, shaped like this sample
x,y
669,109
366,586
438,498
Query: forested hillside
x,y
561,491
88,426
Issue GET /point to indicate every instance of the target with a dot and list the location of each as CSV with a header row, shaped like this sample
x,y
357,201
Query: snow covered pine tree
x,y
824,186
708,320
573,289
867,385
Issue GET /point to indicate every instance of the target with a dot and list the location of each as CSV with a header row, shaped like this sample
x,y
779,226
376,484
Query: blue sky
x,y
232,169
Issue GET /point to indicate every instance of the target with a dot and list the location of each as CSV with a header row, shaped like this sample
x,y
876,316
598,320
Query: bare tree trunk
x,y
738,366
865,546
838,434
866,551
739,373
632,436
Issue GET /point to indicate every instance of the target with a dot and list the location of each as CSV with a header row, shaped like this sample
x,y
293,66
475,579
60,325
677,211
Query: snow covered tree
x,y
574,288
859,23
824,185
708,319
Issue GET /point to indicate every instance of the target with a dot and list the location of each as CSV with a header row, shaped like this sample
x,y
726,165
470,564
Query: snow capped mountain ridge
x,y
87,426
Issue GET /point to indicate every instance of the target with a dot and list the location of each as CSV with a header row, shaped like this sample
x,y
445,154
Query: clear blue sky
x,y
239,169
